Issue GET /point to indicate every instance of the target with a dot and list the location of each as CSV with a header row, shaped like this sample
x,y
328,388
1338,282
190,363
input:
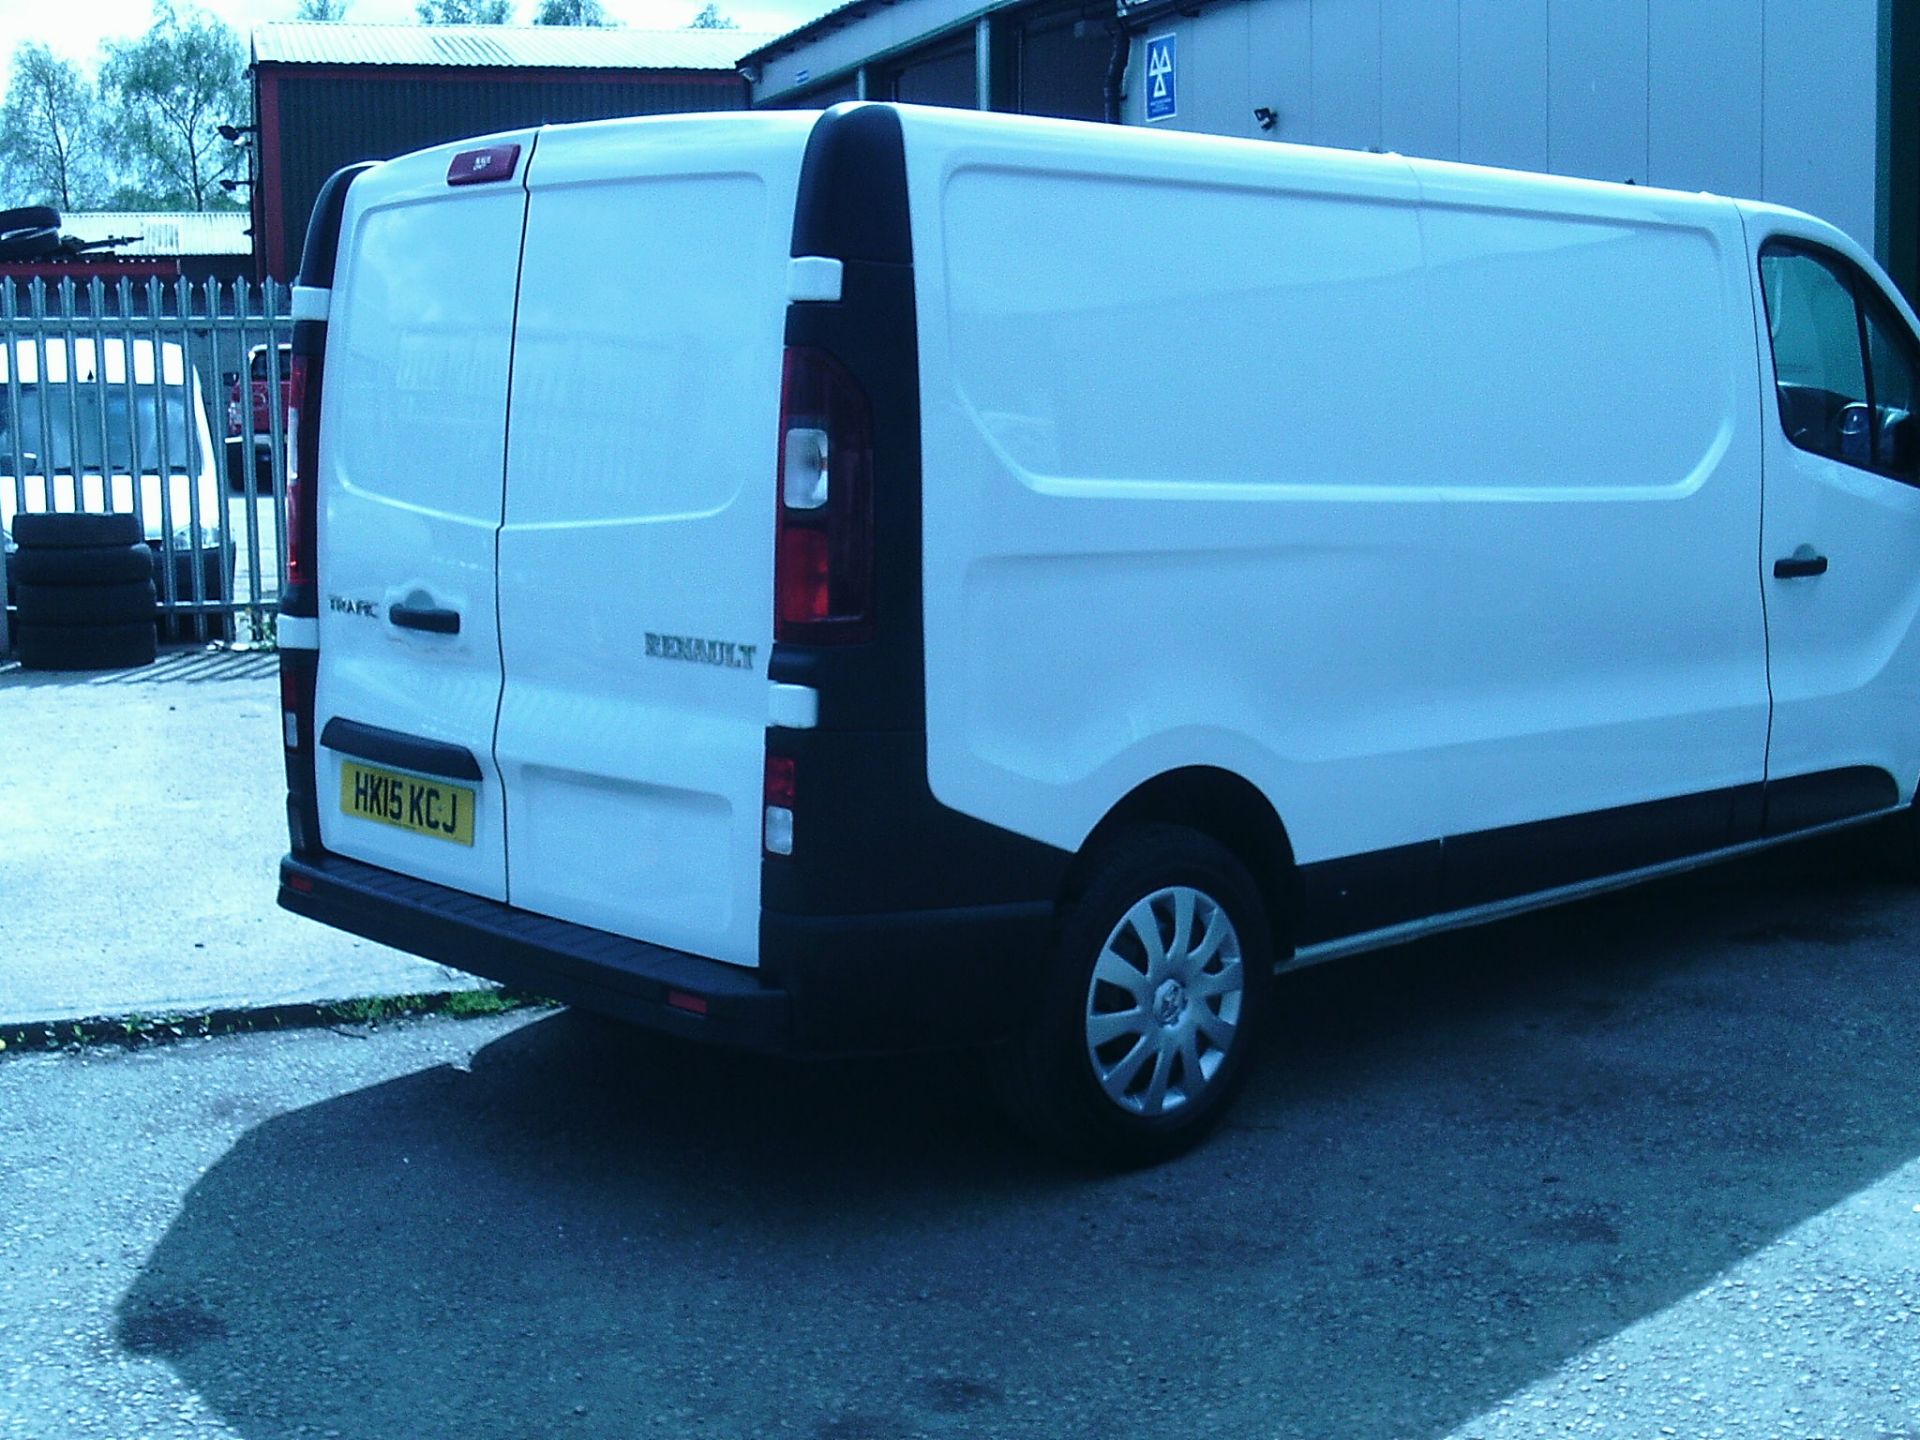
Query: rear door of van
x,y
636,557
412,457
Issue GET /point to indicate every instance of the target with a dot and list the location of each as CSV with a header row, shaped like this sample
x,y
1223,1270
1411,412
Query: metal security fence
x,y
164,399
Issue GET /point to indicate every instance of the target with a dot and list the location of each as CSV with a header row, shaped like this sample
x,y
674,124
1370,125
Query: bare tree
x,y
462,12
168,93
50,132
321,10
711,18
573,12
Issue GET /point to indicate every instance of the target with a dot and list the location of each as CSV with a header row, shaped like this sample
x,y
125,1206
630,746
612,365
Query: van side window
x,y
1819,362
1844,361
1890,347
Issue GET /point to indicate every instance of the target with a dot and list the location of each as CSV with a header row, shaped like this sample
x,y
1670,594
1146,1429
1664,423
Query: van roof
x,y
91,360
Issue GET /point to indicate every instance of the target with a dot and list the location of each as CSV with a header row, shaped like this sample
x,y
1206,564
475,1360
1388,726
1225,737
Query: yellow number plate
x,y
426,807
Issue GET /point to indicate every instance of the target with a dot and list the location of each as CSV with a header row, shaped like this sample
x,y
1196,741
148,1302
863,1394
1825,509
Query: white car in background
x,y
79,431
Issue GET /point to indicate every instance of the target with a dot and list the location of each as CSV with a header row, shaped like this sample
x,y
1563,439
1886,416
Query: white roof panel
x,y
189,232
557,47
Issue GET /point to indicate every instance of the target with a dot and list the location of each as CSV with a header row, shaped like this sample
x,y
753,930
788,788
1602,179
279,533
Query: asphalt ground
x,y
142,820
1648,1166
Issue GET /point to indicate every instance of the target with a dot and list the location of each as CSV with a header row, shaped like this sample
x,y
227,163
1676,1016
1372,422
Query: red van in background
x,y
259,385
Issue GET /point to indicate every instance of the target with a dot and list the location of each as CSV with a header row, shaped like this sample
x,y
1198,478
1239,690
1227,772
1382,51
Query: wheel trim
x,y
1163,1005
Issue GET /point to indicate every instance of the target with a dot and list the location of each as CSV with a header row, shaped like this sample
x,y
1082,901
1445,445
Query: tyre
x,y
236,463
30,243
75,532
29,217
94,565
1150,1006
86,647
119,604
215,563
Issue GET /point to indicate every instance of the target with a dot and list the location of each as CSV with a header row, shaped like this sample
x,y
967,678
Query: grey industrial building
x,y
1810,103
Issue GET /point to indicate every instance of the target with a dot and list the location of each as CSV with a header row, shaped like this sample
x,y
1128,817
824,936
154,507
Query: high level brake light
x,y
823,560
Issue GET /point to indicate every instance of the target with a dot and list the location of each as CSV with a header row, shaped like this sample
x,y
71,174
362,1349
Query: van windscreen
x,y
130,432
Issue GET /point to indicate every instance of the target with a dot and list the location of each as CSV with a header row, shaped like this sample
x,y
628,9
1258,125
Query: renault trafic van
x,y
896,577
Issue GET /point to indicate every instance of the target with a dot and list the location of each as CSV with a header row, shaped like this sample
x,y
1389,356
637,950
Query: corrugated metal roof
x,y
828,20
189,232
559,47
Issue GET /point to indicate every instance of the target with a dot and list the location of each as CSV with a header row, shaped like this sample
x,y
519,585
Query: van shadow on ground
x,y
1465,1163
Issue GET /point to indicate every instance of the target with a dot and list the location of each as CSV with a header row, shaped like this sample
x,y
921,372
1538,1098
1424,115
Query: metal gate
x,y
165,399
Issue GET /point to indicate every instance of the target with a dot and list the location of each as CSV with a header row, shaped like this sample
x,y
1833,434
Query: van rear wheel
x,y
1151,1005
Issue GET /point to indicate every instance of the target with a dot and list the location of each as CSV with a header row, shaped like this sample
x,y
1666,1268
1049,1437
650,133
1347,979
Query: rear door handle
x,y
1799,565
436,619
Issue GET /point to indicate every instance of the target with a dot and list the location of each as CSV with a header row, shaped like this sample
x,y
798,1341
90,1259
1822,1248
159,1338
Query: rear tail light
x,y
297,673
692,1004
778,829
303,466
293,705
823,549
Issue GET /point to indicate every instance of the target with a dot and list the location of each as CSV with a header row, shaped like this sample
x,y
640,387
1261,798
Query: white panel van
x,y
82,430
898,577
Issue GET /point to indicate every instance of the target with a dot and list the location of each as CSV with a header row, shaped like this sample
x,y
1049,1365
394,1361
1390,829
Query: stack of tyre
x,y
84,591
30,232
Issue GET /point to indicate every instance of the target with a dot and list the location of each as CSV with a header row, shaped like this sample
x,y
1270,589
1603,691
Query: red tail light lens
x,y
823,565
780,771
296,709
805,576
777,822
303,466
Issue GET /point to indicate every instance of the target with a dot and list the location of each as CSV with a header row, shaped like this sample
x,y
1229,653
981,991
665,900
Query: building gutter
x,y
1111,93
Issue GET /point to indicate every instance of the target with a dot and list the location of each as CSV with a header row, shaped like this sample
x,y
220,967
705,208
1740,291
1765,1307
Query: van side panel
x,y
1426,503
636,560
413,433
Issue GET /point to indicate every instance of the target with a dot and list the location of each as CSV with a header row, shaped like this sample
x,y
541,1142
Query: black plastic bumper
x,y
865,984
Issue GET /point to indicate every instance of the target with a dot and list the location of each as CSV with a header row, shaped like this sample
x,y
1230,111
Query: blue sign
x,y
1160,77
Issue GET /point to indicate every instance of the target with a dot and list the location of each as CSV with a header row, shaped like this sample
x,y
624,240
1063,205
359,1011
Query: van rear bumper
x,y
865,984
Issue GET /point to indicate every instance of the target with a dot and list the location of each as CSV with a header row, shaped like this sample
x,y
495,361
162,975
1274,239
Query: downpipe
x,y
1111,93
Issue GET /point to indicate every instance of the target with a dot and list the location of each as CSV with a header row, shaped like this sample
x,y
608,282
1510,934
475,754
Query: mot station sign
x,y
1162,98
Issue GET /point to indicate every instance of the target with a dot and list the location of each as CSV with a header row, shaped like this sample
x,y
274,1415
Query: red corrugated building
x,y
326,95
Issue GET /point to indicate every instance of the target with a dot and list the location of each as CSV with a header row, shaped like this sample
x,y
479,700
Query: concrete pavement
x,y
141,823
1642,1167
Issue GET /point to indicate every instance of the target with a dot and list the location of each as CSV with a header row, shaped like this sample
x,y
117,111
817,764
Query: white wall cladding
x,y
1420,75
1821,109
1503,82
1597,88
1706,96
1773,99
